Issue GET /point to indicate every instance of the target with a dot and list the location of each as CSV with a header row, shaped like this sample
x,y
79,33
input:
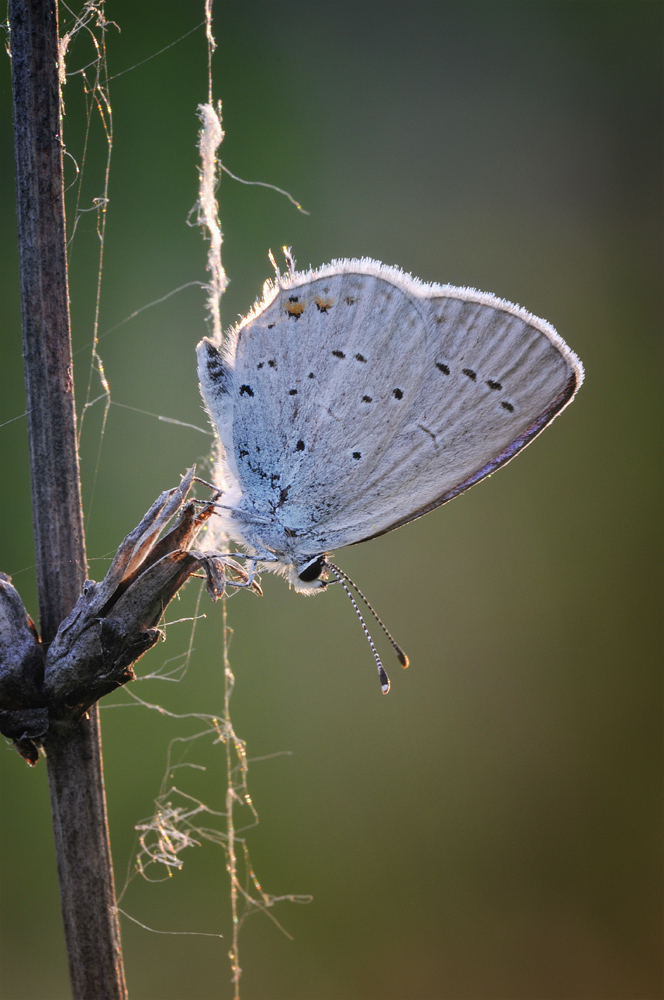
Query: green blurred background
x,y
492,828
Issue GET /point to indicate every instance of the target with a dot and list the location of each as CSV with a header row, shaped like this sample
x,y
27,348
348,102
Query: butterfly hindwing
x,y
324,376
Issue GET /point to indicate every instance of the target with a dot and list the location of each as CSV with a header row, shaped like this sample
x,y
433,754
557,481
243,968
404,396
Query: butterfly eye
x,y
312,571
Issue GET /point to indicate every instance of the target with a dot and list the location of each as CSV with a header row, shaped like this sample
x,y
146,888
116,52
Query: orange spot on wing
x,y
323,304
295,308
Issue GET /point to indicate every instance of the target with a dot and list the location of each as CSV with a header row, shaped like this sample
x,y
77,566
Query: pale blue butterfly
x,y
355,398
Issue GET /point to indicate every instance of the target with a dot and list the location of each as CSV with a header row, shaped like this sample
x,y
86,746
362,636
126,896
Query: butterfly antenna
x,y
382,674
401,656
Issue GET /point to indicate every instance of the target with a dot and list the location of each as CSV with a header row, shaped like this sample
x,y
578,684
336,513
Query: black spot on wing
x,y
493,384
246,390
360,357
397,393
469,373
442,368
292,392
338,354
357,455
300,445
507,406
367,399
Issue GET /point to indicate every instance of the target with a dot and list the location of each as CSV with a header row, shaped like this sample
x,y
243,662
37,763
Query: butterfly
x,y
355,398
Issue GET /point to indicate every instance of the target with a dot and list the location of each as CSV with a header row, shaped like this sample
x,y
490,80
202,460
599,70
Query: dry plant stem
x,y
73,747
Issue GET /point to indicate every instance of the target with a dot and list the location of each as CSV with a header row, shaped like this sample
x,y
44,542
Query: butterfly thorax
x,y
275,543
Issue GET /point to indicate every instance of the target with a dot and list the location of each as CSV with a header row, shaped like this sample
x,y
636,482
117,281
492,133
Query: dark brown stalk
x,y
72,747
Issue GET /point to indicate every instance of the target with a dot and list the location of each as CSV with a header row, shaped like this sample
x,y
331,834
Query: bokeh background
x,y
491,829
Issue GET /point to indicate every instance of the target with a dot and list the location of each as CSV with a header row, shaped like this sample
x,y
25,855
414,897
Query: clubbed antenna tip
x,y
401,656
384,680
